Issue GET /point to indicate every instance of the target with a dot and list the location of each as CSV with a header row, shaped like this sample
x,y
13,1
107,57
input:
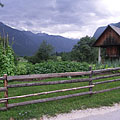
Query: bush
x,y
7,65
52,67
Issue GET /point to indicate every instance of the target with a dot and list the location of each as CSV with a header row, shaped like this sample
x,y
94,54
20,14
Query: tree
x,y
83,50
43,54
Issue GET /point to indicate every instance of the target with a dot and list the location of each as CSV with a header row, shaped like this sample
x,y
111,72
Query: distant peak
x,y
42,34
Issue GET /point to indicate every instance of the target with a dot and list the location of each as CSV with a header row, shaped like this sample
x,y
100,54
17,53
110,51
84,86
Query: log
x,y
53,75
90,80
61,82
108,81
48,83
106,70
1,78
44,93
106,90
3,101
45,76
107,76
3,108
2,89
47,99
6,92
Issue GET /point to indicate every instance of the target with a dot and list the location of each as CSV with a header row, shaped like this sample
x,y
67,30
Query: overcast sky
x,y
69,18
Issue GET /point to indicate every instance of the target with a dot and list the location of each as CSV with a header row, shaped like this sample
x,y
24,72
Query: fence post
x,y
90,81
6,92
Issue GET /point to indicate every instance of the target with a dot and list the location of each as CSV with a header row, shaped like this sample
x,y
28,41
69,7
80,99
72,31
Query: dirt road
x,y
103,113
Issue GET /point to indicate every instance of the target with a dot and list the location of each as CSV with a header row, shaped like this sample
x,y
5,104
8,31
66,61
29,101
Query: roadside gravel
x,y
103,113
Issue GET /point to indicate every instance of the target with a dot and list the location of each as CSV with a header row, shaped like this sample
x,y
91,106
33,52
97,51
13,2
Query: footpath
x,y
103,113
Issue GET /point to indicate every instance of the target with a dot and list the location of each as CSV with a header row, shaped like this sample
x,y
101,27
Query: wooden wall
x,y
108,38
112,51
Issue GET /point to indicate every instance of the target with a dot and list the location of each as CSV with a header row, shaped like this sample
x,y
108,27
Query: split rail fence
x,y
90,80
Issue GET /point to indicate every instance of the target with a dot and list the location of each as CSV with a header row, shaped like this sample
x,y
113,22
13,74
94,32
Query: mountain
x,y
26,43
100,30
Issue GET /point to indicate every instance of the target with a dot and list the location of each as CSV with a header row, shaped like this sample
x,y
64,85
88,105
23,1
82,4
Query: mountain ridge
x,y
27,43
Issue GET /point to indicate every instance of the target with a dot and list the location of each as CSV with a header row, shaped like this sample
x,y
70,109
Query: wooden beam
x,y
106,70
6,92
1,78
45,76
108,81
48,83
48,99
54,75
106,90
2,89
44,93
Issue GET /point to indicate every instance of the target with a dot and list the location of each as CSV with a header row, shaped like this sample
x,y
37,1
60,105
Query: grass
x,y
59,106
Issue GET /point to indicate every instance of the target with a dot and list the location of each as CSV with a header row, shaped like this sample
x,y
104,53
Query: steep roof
x,y
116,29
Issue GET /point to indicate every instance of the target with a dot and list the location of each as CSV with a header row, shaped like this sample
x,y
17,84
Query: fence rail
x,y
90,80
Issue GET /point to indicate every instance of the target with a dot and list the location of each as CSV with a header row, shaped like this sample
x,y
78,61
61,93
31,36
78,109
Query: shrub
x,y
7,65
54,67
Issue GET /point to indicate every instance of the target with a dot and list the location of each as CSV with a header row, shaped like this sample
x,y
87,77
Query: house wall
x,y
112,51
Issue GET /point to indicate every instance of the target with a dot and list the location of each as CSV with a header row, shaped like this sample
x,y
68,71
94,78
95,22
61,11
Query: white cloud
x,y
69,18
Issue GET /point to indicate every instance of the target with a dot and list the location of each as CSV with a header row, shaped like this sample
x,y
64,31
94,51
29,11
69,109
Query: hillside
x,y
26,43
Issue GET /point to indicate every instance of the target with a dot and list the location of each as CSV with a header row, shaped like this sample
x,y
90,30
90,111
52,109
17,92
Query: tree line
x,y
81,52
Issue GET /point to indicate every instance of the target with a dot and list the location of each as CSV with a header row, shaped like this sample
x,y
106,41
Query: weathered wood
x,y
108,81
47,99
61,82
44,93
2,89
90,80
53,75
48,83
3,101
2,108
1,78
106,90
45,76
6,92
107,76
106,70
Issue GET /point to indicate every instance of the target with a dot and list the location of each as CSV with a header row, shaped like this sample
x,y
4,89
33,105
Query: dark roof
x,y
116,29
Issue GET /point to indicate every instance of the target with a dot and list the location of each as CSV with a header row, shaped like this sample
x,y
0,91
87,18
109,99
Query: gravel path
x,y
103,113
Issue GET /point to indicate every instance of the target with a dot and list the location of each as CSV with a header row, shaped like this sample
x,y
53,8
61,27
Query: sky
x,y
68,18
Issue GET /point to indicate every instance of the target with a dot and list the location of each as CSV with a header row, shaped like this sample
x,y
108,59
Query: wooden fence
x,y
90,80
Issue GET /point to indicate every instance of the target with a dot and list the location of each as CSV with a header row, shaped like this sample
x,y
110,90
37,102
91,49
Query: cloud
x,y
70,18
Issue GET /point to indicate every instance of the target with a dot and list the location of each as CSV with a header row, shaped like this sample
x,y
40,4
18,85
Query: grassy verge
x,y
60,106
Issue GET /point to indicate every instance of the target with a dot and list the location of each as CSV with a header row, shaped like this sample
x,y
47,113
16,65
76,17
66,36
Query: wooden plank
x,y
61,82
6,92
90,80
106,90
47,99
3,101
2,89
107,76
44,93
2,108
1,78
108,81
45,76
48,83
53,75
106,70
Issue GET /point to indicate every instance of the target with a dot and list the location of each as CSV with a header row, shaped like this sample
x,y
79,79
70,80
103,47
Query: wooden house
x,y
110,40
